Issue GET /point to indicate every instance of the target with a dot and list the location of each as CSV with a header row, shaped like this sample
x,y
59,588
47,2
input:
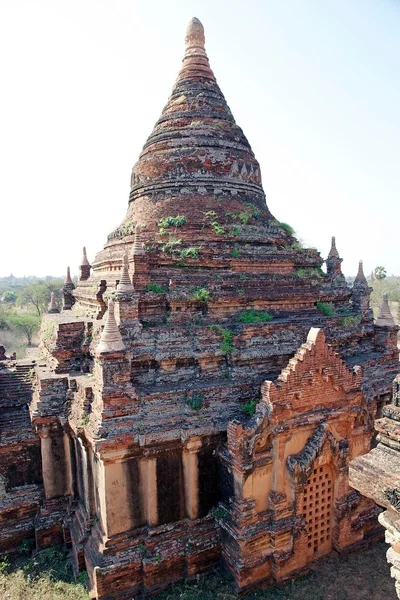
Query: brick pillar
x,y
191,475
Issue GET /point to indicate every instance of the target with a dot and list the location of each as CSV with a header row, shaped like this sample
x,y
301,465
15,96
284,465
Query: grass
x,y
46,576
361,576
286,228
195,402
226,346
201,295
154,287
254,316
328,310
249,408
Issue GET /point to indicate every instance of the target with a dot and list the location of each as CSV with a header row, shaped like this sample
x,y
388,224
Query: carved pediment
x,y
300,465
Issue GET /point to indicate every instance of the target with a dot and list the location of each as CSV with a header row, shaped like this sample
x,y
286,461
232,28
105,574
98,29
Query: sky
x,y
315,86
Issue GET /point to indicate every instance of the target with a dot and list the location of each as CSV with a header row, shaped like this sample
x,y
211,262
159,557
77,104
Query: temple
x,y
201,394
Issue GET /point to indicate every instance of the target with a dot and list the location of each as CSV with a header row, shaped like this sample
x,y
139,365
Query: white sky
x,y
314,85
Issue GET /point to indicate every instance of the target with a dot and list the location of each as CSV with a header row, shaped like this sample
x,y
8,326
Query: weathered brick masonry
x,y
210,413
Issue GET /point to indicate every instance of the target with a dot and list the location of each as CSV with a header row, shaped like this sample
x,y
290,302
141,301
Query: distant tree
x,y
380,272
9,296
38,295
26,323
4,317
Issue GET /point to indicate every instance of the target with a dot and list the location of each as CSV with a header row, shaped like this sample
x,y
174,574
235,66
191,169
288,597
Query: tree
x,y
9,296
38,295
380,272
26,323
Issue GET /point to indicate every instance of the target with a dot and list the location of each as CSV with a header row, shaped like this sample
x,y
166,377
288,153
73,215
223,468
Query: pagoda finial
x,y
85,266
53,305
69,299
360,275
68,278
85,261
125,284
137,243
195,62
333,253
195,35
333,265
385,318
111,339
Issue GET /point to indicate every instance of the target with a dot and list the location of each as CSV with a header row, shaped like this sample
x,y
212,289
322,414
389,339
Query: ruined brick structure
x,y
377,474
205,386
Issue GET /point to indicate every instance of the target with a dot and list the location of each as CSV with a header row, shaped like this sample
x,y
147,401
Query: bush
x,y
326,309
154,287
201,295
195,402
249,408
254,316
177,221
226,346
191,252
286,227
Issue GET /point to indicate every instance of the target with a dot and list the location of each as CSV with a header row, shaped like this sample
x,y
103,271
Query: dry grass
x,y
361,576
46,576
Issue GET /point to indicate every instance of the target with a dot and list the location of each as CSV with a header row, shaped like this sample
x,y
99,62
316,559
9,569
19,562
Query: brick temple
x,y
200,396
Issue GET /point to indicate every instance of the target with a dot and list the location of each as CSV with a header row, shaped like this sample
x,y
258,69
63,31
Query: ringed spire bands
x,y
196,150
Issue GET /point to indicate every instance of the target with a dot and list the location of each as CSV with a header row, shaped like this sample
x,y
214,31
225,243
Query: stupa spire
x,y
68,279
85,266
137,243
333,265
333,251
53,305
385,318
69,299
125,284
195,61
111,339
360,275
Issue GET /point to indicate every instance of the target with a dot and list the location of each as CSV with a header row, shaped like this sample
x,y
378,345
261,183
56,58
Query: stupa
x,y
202,393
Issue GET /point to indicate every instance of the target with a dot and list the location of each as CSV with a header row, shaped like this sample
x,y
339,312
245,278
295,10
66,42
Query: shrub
x,y
195,402
326,309
236,230
310,272
191,252
249,408
201,295
254,316
154,287
171,245
177,221
355,320
217,228
286,227
235,253
226,346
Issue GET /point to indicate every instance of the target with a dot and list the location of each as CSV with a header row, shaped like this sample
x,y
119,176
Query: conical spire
x,y
85,262
125,284
53,305
385,318
333,253
360,275
85,266
68,278
179,163
111,339
137,244
195,61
